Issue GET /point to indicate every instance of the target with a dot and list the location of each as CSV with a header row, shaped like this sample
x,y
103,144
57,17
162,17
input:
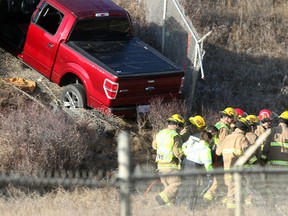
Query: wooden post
x,y
124,173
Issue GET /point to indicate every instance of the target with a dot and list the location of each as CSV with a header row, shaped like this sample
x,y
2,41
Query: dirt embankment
x,y
44,123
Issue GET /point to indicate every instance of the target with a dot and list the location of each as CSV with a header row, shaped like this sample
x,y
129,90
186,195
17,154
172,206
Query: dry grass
x,y
78,202
105,201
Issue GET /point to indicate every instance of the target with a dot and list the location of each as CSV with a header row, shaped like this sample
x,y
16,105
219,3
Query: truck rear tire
x,y
73,96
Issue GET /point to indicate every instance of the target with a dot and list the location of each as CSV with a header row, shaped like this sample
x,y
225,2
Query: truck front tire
x,y
73,96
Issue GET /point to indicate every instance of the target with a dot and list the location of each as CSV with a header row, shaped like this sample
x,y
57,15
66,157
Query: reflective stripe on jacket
x,y
219,125
232,151
278,162
223,129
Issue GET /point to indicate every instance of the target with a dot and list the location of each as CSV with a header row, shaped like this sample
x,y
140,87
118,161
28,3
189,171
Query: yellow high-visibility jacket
x,y
168,144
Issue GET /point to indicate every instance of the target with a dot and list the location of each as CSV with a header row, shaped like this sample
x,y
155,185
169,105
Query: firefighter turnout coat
x,y
252,137
275,150
223,129
232,147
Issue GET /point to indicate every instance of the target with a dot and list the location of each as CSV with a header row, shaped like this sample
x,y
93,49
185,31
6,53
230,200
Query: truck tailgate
x,y
142,88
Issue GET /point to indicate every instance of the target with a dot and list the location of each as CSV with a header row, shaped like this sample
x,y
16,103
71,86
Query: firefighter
x,y
253,122
215,140
233,147
195,125
168,144
198,156
240,113
248,191
265,116
275,150
224,129
224,125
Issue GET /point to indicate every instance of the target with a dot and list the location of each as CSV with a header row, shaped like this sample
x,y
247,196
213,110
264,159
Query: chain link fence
x,y
268,187
175,36
172,24
137,188
265,186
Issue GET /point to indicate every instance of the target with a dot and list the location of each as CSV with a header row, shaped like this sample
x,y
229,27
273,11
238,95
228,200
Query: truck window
x,y
50,19
96,29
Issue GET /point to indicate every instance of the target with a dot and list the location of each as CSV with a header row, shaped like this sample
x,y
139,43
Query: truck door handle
x,y
50,45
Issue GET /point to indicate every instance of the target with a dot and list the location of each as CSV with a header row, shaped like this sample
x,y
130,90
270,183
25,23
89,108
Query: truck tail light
x,y
181,85
110,88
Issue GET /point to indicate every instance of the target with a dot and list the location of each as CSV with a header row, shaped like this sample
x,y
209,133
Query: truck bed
x,y
126,57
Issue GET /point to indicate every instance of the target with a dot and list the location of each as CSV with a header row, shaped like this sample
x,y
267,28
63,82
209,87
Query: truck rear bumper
x,y
127,111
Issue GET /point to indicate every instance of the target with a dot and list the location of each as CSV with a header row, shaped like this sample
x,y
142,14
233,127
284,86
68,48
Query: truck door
x,y
42,39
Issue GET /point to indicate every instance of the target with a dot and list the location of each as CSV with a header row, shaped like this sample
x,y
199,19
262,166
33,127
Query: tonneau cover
x,y
127,57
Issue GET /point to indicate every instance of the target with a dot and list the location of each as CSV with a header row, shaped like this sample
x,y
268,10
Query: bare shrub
x,y
42,140
6,154
160,111
151,123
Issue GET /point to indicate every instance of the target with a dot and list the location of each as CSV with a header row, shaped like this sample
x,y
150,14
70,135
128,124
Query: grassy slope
x,y
244,65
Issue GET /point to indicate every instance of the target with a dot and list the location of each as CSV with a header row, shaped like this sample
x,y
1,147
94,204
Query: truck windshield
x,y
100,29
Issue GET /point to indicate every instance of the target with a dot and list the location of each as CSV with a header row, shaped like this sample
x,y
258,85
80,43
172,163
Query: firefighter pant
x,y
214,189
246,190
191,186
171,185
229,182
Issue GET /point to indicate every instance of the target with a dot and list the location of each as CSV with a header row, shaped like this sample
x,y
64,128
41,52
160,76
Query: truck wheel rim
x,y
71,100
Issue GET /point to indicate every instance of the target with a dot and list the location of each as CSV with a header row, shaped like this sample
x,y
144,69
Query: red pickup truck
x,y
88,48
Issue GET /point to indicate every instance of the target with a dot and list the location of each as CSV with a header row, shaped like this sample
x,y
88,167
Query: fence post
x,y
164,25
124,172
237,180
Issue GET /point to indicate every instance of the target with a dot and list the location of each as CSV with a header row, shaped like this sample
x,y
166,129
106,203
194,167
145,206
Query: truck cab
x,y
88,48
